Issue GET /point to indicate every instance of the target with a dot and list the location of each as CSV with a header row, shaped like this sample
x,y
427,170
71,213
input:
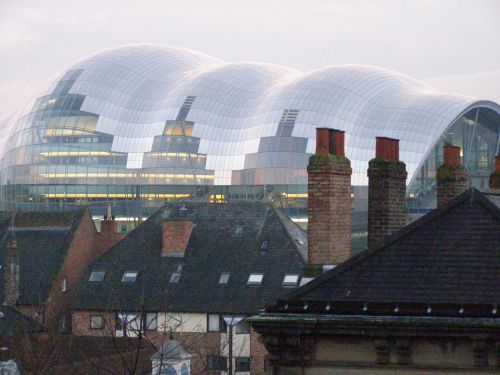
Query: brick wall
x,y
176,235
78,257
452,178
386,192
329,203
257,353
81,323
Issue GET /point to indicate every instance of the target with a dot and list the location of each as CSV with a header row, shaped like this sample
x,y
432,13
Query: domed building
x,y
137,125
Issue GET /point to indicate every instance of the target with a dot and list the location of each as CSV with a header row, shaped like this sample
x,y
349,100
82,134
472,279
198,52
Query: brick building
x,y
423,300
195,271
44,256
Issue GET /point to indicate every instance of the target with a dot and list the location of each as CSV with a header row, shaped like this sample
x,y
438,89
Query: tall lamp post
x,y
231,322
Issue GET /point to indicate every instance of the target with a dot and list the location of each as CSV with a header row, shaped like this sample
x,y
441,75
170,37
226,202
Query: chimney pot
x,y
451,155
494,182
387,148
322,141
336,142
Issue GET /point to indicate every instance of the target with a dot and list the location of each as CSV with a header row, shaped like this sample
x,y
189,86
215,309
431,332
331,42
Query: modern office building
x,y
138,125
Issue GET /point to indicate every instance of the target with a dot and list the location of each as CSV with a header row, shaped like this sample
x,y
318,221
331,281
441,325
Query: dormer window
x,y
264,244
224,278
255,279
129,277
290,280
97,276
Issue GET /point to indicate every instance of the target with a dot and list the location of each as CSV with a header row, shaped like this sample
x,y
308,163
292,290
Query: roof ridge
x,y
351,262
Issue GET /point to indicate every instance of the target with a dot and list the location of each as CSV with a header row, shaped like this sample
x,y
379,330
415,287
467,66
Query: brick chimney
x,y
495,176
176,234
329,200
451,176
386,191
109,235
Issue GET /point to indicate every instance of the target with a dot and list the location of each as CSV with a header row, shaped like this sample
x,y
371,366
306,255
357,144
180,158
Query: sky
x,y
452,45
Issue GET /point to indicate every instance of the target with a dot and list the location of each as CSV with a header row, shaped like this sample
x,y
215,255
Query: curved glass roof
x,y
244,116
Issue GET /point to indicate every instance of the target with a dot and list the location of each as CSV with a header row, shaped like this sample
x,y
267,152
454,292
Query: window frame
x,y
130,281
286,283
97,272
238,329
227,277
147,321
101,326
237,364
255,283
218,323
217,360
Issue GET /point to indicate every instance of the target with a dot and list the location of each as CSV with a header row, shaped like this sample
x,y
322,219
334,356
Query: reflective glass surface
x,y
139,125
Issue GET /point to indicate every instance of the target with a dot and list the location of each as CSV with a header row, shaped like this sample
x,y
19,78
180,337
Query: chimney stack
x,y
495,176
451,176
386,191
176,234
329,200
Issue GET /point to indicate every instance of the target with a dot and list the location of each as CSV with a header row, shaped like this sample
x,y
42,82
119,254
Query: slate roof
x,y
214,247
43,240
449,256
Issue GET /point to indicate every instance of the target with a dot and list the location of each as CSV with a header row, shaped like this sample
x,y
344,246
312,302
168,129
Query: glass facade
x,y
139,125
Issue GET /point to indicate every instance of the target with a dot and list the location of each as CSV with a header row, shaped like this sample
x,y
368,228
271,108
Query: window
x,y
255,279
217,363
290,280
243,328
63,323
96,322
128,322
239,229
242,364
151,321
174,279
264,244
64,286
129,277
97,276
213,323
224,278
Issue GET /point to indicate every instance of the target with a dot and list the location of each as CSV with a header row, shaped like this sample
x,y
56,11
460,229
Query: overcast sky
x,y
453,45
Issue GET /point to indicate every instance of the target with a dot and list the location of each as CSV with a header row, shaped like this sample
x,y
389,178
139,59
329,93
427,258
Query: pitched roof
x,y
214,247
42,240
451,255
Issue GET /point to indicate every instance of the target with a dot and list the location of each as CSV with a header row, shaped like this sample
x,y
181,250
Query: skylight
x,y
264,244
129,277
174,279
290,280
224,278
97,276
255,279
239,229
